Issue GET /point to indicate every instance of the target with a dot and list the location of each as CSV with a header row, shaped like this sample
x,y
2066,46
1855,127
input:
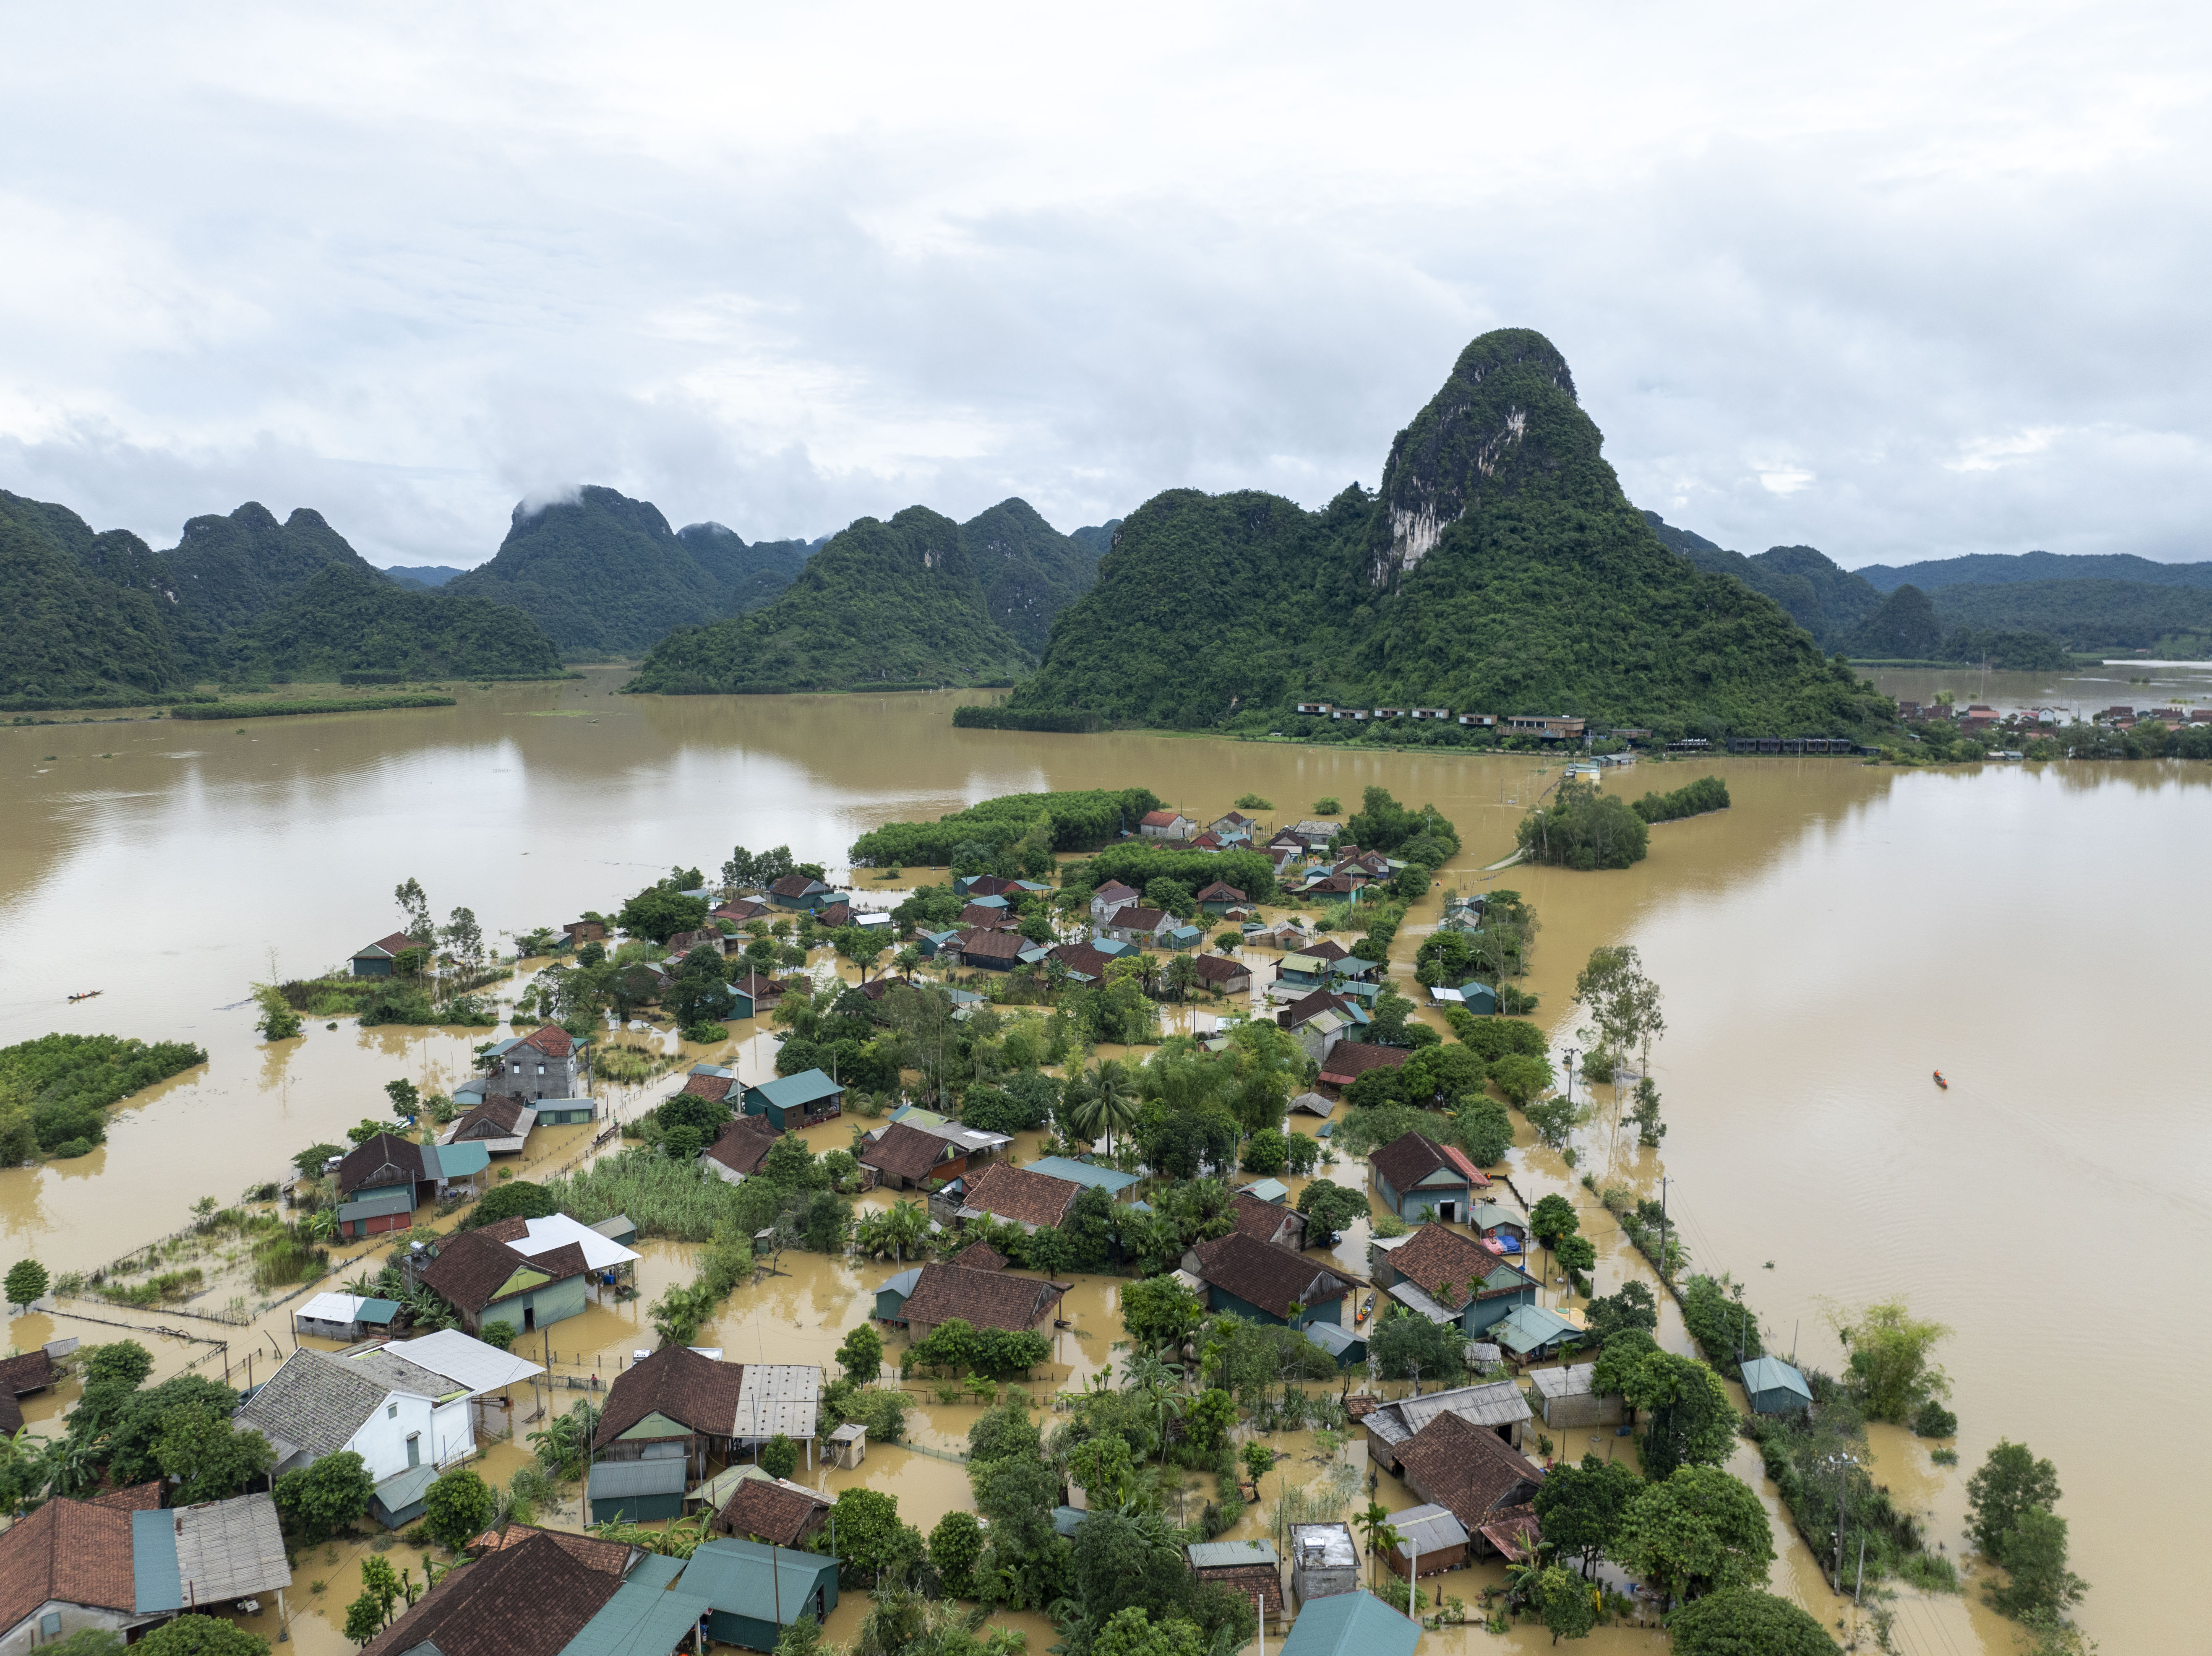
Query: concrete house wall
x,y
440,1434
536,1308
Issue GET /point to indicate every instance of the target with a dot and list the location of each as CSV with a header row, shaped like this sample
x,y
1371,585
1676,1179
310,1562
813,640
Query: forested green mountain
x,y
1998,569
2089,615
100,619
1030,571
422,574
74,636
605,575
1499,568
1096,541
883,603
1822,597
226,570
1905,628
345,619
751,575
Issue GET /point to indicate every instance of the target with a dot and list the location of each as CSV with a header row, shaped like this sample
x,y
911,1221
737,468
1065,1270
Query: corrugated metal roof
x,y
1332,1338
778,1397
1530,1326
466,1361
643,1618
1411,1296
613,1479
1773,1375
348,1308
1268,1190
1227,1555
403,1489
904,1282
378,1206
1065,1520
734,1576
1498,1402
457,1160
1573,1381
1428,1529
1109,1179
1352,1624
156,1582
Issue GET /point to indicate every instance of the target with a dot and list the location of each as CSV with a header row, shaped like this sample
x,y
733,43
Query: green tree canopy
x,y
2010,1484
1697,1531
1743,1621
458,1507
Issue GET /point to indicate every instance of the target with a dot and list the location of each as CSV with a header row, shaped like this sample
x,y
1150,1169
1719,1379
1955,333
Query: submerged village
x,y
1167,1289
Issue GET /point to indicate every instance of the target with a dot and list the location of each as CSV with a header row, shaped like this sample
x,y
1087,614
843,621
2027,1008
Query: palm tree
x,y
905,1226
1146,1373
1112,1090
1381,1536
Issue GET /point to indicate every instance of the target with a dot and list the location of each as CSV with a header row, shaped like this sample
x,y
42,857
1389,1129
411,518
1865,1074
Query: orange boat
x,y
1940,1082
1364,1310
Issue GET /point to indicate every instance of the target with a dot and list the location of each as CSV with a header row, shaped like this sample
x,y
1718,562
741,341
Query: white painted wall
x,y
381,1442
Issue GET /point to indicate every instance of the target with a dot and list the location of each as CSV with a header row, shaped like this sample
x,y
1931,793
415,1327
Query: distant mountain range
x,y
1497,569
102,619
2091,603
919,599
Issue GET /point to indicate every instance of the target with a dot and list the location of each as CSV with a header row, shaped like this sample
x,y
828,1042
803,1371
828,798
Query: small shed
x,y
1324,1561
1773,1387
1314,1104
1431,1541
639,1491
1570,1399
1272,1191
568,1112
1532,1332
1343,1344
1066,1520
848,1445
1249,1569
891,1297
398,1501
755,1590
618,1229
347,1317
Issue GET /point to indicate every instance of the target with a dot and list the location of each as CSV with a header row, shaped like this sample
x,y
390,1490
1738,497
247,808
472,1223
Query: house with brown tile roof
x,y
978,917
984,1298
613,1558
1349,1060
905,1157
1267,1284
375,959
995,951
674,1400
486,1281
742,1146
1029,1199
1421,1179
1268,1222
502,1122
1471,1472
980,1256
1224,973
715,1084
1081,959
535,1597
740,909
772,1509
1139,925
69,1560
1461,1280
1109,897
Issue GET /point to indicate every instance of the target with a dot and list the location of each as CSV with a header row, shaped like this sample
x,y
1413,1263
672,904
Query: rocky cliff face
x,y
1474,442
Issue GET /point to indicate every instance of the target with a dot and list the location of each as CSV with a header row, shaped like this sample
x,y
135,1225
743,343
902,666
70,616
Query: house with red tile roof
x,y
1028,1199
1418,1179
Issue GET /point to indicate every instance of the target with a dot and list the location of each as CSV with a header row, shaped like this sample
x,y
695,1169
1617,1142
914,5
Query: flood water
x,y
2035,932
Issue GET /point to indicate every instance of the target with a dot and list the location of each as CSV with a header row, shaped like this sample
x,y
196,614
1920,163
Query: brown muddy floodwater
x,y
2036,932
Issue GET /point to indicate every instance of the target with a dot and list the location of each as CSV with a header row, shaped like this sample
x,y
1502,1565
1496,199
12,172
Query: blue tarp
x,y
155,1578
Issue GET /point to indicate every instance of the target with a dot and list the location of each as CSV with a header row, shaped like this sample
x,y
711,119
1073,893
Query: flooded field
x,y
2036,933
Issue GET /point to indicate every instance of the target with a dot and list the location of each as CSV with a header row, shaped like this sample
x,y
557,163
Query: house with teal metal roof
x,y
1352,1624
1532,1330
794,1102
753,1592
639,1491
1773,1387
1115,1183
891,1297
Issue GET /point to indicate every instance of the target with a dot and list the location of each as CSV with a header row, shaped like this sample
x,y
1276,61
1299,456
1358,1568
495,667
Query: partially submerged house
x,y
981,1298
800,1101
1569,1397
1348,1061
1324,1561
772,1509
751,1591
120,1563
1431,1542
1482,1481
492,1377
905,1157
1025,1197
383,1180
1529,1333
742,1146
1773,1387
1497,1407
1450,1278
1225,974
376,960
486,1277
535,1592
683,1405
394,1414
547,1063
992,951
502,1124
1266,1220
349,1317
1249,1569
21,1375
1166,825
1267,1284
800,892
1420,1180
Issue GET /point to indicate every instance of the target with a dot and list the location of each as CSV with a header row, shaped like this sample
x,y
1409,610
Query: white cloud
x,y
784,268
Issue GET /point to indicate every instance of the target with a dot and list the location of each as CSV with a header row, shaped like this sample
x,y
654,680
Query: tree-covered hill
x,y
1030,571
882,603
751,576
226,570
342,620
605,575
2088,615
72,635
102,619
1828,600
2006,569
1499,568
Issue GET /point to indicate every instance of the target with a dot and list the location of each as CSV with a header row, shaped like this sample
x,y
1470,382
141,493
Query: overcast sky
x,y
1897,282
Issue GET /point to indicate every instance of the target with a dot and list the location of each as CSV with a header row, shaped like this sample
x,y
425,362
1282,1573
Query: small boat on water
x,y
1364,1310
88,995
1940,1082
